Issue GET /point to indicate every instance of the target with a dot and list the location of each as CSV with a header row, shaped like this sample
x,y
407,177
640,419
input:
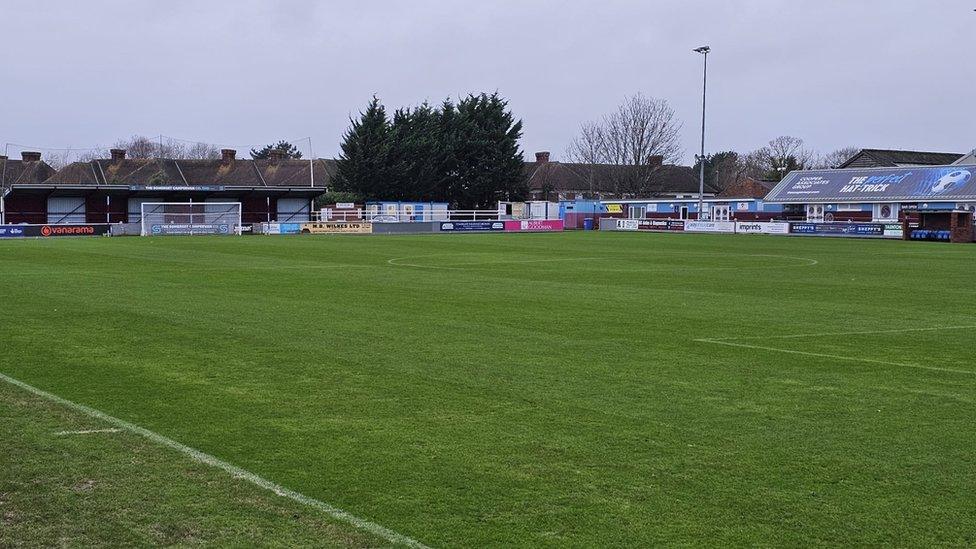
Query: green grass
x,y
472,390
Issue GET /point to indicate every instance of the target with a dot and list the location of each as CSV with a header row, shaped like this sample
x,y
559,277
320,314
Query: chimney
x,y
542,157
276,155
117,154
30,156
655,160
227,155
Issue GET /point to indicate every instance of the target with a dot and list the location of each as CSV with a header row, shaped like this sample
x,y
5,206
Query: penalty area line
x,y
218,463
835,357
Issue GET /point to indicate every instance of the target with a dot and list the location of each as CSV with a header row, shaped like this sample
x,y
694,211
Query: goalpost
x,y
190,218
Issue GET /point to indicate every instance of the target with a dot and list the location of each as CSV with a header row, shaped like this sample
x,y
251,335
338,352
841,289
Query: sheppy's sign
x,y
930,183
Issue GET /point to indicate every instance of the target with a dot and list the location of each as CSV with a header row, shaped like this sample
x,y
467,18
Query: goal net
x,y
190,218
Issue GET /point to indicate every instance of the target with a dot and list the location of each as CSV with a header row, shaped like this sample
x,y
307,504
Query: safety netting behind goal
x,y
191,218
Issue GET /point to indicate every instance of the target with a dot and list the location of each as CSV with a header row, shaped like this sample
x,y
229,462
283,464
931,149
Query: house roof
x,y
884,158
575,177
162,171
19,172
748,188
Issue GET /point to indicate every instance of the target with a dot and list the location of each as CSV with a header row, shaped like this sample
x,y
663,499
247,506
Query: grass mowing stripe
x,y
213,461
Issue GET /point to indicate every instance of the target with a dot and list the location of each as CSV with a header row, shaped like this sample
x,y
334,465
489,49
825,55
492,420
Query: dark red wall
x,y
26,209
96,210
258,209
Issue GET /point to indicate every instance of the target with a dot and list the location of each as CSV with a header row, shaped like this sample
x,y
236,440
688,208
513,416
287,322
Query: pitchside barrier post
x,y
190,218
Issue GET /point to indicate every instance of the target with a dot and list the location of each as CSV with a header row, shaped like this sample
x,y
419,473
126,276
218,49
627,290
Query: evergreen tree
x,y
489,161
287,148
465,154
362,167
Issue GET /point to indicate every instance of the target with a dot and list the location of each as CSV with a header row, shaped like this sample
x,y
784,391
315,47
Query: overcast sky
x,y
882,74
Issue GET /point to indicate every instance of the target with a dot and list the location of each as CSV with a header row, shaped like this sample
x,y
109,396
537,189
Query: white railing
x,y
404,215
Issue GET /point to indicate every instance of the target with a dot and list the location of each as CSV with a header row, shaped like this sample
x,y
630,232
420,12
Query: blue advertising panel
x,y
464,226
838,229
877,184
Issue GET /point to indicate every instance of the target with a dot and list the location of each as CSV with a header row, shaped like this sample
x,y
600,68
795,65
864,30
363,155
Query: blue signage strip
x,y
917,183
464,226
838,229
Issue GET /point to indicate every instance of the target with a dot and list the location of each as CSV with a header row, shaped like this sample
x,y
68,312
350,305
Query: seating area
x,y
929,234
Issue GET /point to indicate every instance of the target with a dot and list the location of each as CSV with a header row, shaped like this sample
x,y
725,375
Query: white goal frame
x,y
199,218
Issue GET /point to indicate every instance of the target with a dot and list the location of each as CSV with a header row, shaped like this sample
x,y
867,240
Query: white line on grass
x,y
460,266
233,470
730,342
87,432
826,334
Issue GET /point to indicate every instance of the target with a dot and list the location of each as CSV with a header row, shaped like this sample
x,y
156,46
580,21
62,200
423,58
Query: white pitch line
x,y
233,470
87,432
836,357
826,334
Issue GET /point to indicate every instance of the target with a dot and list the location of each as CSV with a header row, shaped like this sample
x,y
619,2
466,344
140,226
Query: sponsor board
x,y
909,184
472,226
615,208
757,227
196,188
50,231
336,228
710,226
627,224
660,225
534,225
166,229
838,229
893,230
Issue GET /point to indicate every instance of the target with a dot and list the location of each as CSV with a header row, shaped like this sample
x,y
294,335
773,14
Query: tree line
x,y
643,133
465,153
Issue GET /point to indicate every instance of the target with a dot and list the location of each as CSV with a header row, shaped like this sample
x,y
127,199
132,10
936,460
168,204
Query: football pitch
x,y
576,389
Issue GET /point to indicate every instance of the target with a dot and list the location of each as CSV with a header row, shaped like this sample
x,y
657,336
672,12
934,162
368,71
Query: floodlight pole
x,y
701,158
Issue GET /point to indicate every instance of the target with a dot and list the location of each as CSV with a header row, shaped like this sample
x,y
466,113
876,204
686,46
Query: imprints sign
x,y
755,227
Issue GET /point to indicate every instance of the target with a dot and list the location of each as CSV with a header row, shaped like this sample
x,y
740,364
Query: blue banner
x,y
12,231
838,229
917,183
466,226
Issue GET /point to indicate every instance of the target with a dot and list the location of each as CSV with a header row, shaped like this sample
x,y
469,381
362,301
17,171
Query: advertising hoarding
x,y
51,231
336,228
915,183
534,225
760,227
838,229
710,226
472,226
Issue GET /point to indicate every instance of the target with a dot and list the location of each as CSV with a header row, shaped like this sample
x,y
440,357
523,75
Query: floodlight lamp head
x,y
703,49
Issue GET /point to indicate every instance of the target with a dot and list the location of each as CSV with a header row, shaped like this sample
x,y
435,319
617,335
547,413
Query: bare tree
x,y
639,136
834,159
781,156
142,147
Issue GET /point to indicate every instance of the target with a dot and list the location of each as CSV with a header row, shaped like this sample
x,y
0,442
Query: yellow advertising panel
x,y
615,208
336,228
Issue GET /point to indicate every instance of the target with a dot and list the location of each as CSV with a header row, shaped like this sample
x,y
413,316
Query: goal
x,y
190,218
